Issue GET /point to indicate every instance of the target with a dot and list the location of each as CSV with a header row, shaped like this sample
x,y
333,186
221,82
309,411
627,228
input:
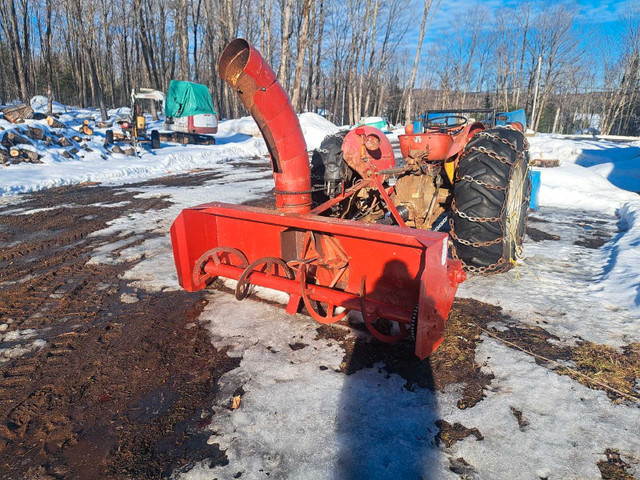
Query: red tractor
x,y
456,176
348,247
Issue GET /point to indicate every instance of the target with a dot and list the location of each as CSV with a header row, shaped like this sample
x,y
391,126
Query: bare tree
x,y
416,60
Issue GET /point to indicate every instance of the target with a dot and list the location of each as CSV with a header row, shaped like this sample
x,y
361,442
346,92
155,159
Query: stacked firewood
x,y
22,143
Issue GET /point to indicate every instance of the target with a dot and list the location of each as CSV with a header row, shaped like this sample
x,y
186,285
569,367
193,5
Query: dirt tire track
x,y
118,390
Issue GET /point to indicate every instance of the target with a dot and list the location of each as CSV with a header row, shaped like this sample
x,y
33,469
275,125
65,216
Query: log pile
x,y
21,144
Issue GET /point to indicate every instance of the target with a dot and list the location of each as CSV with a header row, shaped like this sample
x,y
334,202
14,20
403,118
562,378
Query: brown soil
x,y
594,242
614,468
448,435
522,422
538,235
119,390
453,362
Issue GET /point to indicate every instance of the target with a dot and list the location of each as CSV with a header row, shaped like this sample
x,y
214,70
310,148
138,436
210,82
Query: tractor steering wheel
x,y
442,123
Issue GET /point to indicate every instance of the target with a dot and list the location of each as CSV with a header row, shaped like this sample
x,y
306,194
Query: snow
x,y
560,440
615,161
297,420
39,104
314,128
234,141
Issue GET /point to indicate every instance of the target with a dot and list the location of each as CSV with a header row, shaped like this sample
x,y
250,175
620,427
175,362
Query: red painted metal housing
x,y
402,268
244,69
398,274
439,145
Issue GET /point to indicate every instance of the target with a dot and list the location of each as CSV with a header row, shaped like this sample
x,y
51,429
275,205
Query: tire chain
x,y
502,264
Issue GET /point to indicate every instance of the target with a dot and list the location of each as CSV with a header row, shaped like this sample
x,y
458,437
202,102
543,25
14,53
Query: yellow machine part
x,y
450,169
141,122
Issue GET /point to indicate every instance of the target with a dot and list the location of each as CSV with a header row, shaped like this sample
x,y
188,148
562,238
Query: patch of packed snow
x,y
300,418
157,271
560,440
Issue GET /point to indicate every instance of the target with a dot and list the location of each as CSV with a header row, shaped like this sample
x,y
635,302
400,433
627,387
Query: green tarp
x,y
186,98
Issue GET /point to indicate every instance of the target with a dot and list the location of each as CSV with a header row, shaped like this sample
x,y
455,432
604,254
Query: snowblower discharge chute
x,y
400,279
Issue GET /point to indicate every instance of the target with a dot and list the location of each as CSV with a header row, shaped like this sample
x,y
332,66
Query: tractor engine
x,y
417,186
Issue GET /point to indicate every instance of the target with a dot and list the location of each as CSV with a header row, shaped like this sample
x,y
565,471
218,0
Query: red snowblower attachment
x,y
400,279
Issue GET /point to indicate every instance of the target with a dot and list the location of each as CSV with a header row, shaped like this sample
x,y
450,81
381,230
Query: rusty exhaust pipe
x,y
242,67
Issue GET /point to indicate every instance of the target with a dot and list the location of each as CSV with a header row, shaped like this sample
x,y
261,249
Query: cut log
x,y
35,133
116,149
54,123
130,151
28,156
12,139
66,154
18,113
76,138
64,142
73,151
545,162
86,130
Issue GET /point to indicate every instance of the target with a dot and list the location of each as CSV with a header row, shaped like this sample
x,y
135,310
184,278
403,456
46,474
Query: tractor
x,y
355,230
465,177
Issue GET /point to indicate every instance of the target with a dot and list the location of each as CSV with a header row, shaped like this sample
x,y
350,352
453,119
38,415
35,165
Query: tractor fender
x,y
460,141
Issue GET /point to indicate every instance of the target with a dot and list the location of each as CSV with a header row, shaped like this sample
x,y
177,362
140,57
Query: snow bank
x,y
621,280
573,186
237,139
618,162
314,128
39,103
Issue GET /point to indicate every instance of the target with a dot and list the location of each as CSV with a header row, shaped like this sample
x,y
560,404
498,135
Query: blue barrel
x,y
417,126
535,190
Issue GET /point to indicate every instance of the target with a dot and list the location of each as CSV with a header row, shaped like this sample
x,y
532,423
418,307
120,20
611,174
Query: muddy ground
x,y
112,393
102,380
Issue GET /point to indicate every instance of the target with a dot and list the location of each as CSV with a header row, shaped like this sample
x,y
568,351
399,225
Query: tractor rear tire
x,y
492,189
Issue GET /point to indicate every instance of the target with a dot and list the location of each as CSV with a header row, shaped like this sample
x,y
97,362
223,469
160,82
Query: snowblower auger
x,y
330,265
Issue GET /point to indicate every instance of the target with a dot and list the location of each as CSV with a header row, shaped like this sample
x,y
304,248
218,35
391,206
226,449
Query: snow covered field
x,y
301,417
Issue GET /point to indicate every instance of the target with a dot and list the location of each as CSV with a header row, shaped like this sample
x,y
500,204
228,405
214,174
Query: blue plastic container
x,y
417,126
535,190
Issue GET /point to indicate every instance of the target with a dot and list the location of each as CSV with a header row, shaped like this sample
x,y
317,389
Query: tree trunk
x,y
286,35
182,16
302,50
416,60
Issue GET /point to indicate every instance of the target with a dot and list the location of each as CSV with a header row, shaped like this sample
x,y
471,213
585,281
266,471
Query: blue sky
x,y
602,15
